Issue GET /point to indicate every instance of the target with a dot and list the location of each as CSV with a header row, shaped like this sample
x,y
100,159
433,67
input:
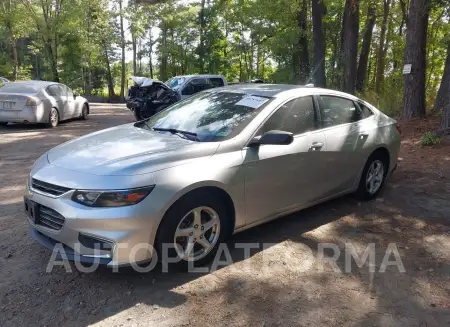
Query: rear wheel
x,y
373,177
192,230
53,119
84,112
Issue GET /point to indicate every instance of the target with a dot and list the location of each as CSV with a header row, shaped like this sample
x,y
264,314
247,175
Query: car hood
x,y
127,150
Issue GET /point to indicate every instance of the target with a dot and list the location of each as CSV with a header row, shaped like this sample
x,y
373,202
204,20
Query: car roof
x,y
199,75
35,83
282,90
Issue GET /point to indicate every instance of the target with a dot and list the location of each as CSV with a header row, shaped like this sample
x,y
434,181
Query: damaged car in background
x,y
148,97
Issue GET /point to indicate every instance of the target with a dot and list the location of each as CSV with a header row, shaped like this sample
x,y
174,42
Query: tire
x,y
373,177
181,213
84,112
53,118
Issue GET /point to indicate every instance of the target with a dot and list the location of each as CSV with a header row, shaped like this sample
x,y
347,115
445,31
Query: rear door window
x,y
54,90
365,111
196,85
338,111
216,82
67,91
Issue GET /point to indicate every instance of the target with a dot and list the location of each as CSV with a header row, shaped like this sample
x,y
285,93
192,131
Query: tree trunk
x,y
318,11
381,53
340,53
262,63
140,56
445,120
361,74
163,67
443,96
301,55
15,58
240,66
134,46
109,75
53,62
201,49
401,28
150,64
122,46
415,54
335,60
258,55
350,44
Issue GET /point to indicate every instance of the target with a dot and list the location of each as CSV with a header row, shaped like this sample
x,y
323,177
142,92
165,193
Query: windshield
x,y
213,116
175,82
19,88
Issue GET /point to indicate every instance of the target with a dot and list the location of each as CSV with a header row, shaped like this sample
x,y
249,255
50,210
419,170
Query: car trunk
x,y
13,102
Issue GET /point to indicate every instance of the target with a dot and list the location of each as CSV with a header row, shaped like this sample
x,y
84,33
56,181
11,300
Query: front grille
x,y
50,218
49,188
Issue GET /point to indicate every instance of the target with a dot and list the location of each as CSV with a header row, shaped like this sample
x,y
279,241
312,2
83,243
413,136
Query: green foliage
x,y
428,139
240,39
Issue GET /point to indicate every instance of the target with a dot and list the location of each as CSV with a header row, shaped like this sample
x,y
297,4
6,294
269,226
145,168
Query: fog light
x,y
95,243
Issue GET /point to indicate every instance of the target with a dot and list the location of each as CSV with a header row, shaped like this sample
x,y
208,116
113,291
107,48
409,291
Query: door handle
x,y
364,134
316,146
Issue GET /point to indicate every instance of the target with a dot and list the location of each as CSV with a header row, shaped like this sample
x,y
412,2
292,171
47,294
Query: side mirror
x,y
75,94
273,138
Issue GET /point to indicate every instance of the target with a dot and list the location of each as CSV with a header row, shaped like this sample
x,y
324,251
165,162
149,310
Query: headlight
x,y
111,198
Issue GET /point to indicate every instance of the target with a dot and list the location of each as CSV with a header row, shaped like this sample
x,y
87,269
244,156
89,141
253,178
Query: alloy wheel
x,y
54,118
375,176
197,233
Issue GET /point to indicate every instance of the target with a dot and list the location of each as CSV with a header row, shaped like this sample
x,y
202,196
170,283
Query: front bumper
x,y
129,230
69,253
36,114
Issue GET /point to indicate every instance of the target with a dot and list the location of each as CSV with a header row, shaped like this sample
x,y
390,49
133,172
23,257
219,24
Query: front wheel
x,y
53,119
373,178
192,230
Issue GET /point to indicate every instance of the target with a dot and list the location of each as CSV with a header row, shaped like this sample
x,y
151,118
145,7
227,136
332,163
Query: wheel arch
x,y
384,153
209,190
380,150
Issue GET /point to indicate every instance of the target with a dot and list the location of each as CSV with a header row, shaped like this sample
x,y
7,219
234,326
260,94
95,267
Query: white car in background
x,y
4,81
40,102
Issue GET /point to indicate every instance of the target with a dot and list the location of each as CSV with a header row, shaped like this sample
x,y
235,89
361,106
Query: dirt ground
x,y
270,288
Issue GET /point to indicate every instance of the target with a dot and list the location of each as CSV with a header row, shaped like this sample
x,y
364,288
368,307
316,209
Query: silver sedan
x,y
40,102
217,163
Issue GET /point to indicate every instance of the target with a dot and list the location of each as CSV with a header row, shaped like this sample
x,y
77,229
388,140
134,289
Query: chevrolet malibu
x,y
214,164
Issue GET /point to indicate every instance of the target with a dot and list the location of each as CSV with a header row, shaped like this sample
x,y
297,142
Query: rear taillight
x,y
398,128
32,102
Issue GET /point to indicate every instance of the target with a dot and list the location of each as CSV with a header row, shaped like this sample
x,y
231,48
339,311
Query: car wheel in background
x,y
192,230
84,112
53,119
373,177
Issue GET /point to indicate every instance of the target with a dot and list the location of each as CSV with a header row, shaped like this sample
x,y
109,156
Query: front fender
x,y
222,171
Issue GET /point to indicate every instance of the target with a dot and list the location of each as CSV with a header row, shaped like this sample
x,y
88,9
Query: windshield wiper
x,y
176,131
